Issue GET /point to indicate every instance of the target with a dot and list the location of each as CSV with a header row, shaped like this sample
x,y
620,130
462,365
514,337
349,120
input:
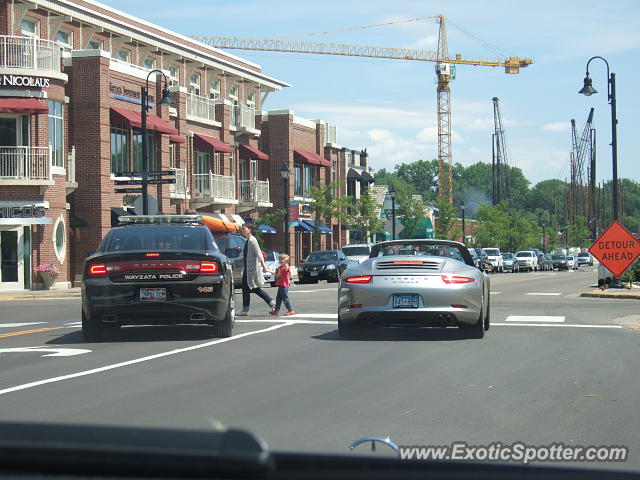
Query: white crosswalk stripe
x,y
535,318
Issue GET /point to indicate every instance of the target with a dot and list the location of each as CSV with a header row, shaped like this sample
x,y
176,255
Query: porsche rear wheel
x,y
475,330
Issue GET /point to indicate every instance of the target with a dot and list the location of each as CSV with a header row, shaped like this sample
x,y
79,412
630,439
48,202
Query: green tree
x,y
444,225
364,216
411,212
274,218
578,233
327,206
422,175
493,226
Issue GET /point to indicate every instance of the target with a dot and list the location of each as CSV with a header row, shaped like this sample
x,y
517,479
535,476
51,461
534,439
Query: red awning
x,y
217,145
248,152
177,138
124,116
22,105
311,158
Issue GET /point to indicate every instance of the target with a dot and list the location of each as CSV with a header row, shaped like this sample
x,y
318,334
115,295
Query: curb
x,y
39,297
601,294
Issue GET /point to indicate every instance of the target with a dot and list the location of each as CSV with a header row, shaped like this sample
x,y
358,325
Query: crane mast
x,y
501,183
445,71
445,162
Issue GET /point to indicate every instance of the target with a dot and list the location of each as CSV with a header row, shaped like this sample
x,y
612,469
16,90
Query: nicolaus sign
x,y
7,80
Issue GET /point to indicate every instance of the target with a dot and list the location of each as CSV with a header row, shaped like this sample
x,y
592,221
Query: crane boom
x,y
444,72
511,64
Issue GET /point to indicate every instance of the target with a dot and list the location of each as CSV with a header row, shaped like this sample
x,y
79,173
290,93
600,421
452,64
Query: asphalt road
x,y
553,368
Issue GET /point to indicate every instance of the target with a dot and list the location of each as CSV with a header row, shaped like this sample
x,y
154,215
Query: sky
x,y
389,106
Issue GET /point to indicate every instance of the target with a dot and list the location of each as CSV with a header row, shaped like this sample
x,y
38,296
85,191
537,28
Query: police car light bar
x,y
158,219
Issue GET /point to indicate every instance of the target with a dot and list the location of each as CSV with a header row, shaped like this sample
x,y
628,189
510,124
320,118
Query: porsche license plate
x,y
153,294
405,301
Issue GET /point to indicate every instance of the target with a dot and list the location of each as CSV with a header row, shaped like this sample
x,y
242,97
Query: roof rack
x,y
158,219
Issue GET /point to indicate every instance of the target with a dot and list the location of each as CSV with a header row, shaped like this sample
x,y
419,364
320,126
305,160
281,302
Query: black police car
x,y
157,270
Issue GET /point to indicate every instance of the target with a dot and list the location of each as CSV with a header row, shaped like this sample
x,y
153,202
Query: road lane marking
x,y
83,373
24,332
535,318
495,293
73,324
313,291
293,322
313,315
550,294
568,325
57,352
15,325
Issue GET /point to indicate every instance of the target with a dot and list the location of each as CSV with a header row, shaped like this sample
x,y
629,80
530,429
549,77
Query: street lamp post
x,y
544,235
588,90
285,172
464,230
392,194
144,97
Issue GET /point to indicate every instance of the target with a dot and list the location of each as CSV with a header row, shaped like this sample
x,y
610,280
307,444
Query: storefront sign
x,y
22,211
23,81
127,92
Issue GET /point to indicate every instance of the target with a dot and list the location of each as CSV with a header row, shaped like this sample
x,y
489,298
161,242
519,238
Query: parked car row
x,y
532,260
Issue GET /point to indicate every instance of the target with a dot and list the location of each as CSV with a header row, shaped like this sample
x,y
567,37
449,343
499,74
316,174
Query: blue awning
x,y
321,227
303,227
262,228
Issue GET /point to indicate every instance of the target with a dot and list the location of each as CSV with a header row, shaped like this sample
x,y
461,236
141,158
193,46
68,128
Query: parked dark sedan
x,y
157,270
324,265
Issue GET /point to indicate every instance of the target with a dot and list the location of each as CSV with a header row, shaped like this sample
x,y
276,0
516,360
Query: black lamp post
x,y
588,90
464,230
285,172
392,194
165,100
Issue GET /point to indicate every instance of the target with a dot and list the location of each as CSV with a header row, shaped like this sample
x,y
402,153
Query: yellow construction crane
x,y
445,72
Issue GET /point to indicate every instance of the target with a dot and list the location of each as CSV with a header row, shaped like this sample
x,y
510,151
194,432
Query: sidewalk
x,y
61,294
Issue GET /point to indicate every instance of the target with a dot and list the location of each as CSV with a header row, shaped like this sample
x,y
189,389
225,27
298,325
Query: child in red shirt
x,y
283,281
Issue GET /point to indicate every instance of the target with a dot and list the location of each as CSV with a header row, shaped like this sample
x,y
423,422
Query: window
x,y
251,100
201,169
214,89
173,149
194,84
217,164
308,178
136,148
254,169
232,164
65,38
94,45
174,75
56,133
119,150
124,54
59,239
149,63
244,169
233,93
297,180
30,27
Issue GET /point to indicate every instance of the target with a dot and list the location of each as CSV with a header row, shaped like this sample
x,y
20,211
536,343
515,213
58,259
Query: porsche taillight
x,y
456,279
360,280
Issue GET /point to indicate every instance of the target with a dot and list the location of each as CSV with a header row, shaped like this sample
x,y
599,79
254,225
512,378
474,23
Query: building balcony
x,y
29,55
180,189
254,194
211,189
25,165
201,109
244,119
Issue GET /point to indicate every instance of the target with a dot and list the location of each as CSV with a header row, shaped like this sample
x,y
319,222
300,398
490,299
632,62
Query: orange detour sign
x,y
616,248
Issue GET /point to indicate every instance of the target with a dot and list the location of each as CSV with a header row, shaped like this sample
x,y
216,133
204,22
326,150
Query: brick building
x,y
71,74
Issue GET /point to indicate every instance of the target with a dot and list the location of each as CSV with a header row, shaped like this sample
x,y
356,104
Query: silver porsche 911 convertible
x,y
420,283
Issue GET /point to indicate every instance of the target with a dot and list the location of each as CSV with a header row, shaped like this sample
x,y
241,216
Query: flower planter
x,y
47,279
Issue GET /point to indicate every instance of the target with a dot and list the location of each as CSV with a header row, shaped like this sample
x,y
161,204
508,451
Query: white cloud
x,y
557,127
